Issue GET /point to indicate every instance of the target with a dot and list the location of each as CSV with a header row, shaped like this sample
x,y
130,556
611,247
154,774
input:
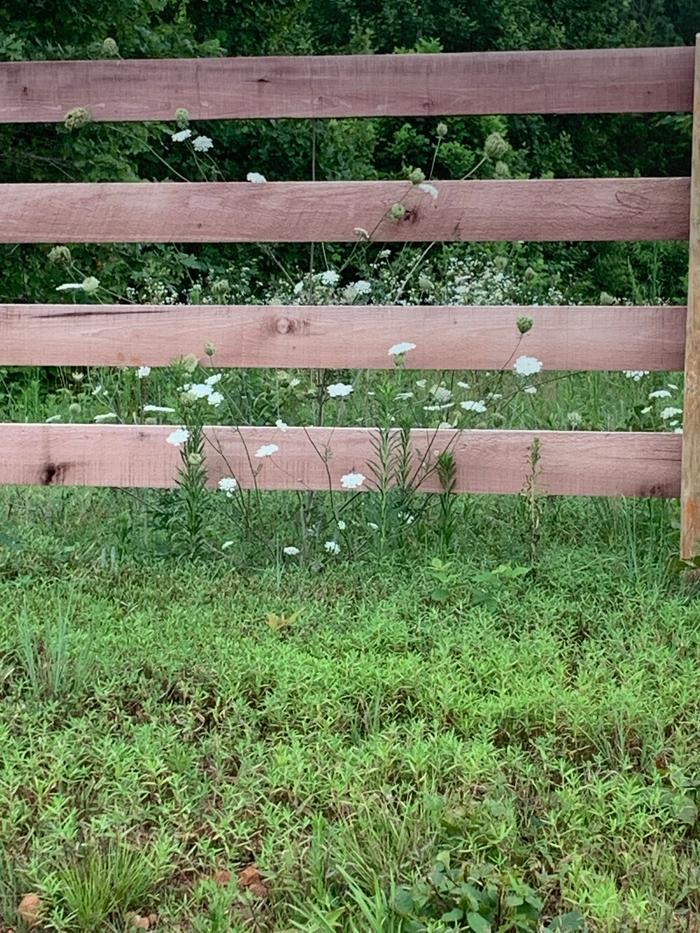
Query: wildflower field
x,y
376,704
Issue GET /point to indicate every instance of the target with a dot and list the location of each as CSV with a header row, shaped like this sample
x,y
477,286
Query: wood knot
x,y
50,474
285,325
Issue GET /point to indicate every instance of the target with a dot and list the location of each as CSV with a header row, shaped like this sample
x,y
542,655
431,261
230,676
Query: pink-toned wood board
x,y
302,212
571,463
577,81
563,338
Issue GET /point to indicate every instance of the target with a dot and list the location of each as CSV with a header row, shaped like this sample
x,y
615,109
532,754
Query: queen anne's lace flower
x,y
400,348
178,437
668,413
143,371
352,480
527,366
660,393
339,390
181,136
158,408
228,485
202,144
332,547
330,277
291,551
256,178
267,450
108,416
471,405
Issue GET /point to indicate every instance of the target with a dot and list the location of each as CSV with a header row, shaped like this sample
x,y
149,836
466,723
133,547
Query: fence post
x,y
690,471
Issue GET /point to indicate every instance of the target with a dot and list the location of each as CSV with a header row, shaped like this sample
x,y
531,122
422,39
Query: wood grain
x,y
585,81
690,482
198,212
571,463
335,337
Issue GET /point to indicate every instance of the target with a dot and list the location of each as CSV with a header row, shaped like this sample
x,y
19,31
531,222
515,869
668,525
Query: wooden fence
x,y
577,338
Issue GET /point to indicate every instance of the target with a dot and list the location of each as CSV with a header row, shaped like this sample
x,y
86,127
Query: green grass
x,y
155,730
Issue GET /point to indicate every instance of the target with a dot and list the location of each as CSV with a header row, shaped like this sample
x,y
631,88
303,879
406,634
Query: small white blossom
x,y
463,385
429,189
228,485
341,525
181,136
281,425
213,379
202,144
332,547
660,393
256,178
143,371
226,545
339,390
438,407
668,413
530,390
215,399
527,366
158,408
98,390
108,416
352,480
471,405
178,437
402,396
636,374
330,277
298,288
645,411
198,390
362,287
291,551
441,393
400,348
267,450
421,383
70,287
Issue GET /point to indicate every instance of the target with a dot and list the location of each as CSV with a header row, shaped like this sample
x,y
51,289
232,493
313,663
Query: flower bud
x,y
182,118
74,408
495,146
606,299
194,459
529,274
190,362
209,349
76,118
110,47
416,176
396,211
524,324
501,170
441,130
90,284
59,255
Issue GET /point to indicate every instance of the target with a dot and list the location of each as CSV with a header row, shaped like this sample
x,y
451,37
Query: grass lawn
x,y
188,747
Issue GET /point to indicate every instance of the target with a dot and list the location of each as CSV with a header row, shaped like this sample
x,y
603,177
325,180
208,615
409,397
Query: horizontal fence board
x,y
571,463
333,337
570,81
241,212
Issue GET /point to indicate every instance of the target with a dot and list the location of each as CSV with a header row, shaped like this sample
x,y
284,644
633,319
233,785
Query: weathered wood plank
x,y
564,338
542,209
571,463
690,482
585,81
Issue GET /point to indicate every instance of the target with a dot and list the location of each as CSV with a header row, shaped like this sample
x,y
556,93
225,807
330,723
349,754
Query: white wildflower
x,y
281,425
213,379
291,551
429,189
636,374
339,390
400,348
530,390
527,366
402,396
98,390
471,405
215,399
438,407
660,393
352,480
341,525
668,413
228,485
645,411
330,277
421,383
108,416
178,437
70,287
202,144
361,287
332,547
441,394
298,288
181,136
226,545
267,450
159,408
143,371
256,178
463,385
